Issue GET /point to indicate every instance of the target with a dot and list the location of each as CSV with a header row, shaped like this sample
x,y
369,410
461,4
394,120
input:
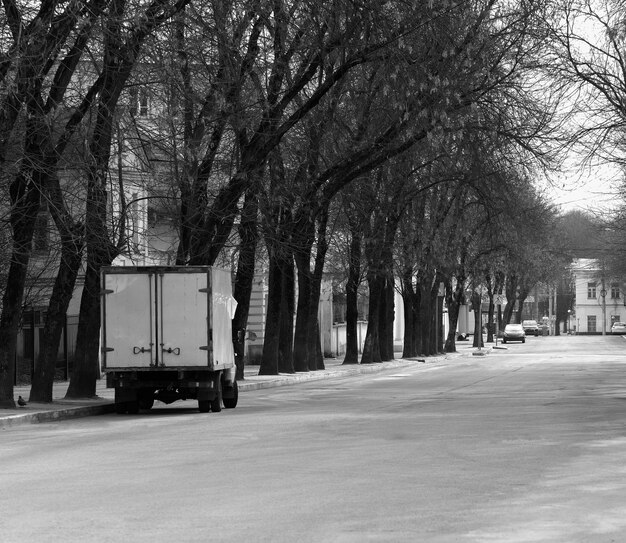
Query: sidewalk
x,y
62,408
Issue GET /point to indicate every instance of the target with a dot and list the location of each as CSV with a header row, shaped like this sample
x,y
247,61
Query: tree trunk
x,y
303,315
308,351
510,287
72,244
244,278
100,252
316,362
522,298
277,352
410,298
386,333
437,319
121,51
25,198
453,301
269,359
352,289
43,378
10,319
426,317
478,325
85,371
287,306
371,349
453,320
490,320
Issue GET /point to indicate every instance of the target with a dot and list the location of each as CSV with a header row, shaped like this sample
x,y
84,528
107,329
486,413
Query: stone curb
x,y
356,369
49,415
103,406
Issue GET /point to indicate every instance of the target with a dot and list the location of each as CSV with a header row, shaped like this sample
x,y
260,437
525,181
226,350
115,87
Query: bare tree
x,y
38,39
126,30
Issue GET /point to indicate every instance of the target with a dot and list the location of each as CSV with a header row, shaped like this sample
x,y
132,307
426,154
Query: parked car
x,y
514,332
531,327
618,328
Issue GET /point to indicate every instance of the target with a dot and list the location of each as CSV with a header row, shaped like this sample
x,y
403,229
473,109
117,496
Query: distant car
x,y
531,327
514,332
618,328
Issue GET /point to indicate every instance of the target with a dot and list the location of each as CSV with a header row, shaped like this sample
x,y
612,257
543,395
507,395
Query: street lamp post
x,y
569,321
603,294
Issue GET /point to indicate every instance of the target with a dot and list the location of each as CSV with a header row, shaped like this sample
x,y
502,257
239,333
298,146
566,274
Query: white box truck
x,y
166,335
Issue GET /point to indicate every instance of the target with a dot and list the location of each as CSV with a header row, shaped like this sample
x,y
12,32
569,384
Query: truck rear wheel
x,y
230,402
146,398
126,401
216,404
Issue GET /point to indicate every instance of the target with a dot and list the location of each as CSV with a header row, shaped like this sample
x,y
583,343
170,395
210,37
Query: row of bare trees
x,y
409,133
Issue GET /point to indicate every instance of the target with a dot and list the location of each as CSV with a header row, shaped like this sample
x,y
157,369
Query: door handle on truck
x,y
175,350
138,350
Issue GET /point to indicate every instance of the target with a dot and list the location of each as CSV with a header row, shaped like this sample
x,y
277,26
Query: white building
x,y
599,298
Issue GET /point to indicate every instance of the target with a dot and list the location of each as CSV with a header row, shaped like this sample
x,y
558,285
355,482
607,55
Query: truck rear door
x,y
156,317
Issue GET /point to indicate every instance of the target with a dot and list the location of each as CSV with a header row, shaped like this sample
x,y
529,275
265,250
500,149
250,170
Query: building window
x,y
615,291
143,104
591,290
139,102
614,319
591,323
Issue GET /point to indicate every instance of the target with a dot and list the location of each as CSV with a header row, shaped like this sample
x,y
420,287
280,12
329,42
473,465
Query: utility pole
x,y
603,294
550,306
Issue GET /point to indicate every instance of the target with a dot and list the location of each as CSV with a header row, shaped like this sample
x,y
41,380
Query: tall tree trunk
x,y
371,349
316,359
308,351
454,298
303,315
121,51
43,378
272,362
244,278
387,314
25,193
85,371
72,244
307,338
100,252
352,289
411,302
490,320
478,325
510,285
436,303
269,358
426,315
287,307
23,217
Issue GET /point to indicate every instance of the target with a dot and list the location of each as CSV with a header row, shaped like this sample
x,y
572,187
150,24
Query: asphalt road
x,y
526,444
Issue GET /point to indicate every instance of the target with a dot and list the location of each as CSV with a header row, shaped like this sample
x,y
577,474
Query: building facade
x,y
599,298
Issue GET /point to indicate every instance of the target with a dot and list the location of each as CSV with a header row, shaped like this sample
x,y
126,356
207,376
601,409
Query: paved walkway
x,y
62,408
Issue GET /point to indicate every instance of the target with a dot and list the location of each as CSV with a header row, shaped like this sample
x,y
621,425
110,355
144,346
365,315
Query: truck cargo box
x,y
160,319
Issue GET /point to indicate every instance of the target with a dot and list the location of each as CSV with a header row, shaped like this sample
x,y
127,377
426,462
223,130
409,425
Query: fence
x,y
30,342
